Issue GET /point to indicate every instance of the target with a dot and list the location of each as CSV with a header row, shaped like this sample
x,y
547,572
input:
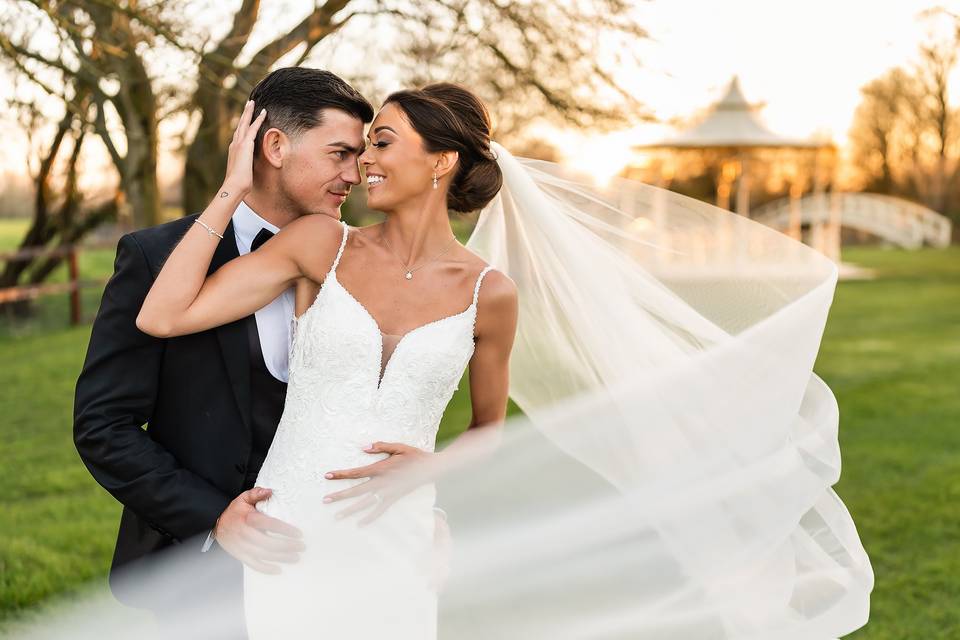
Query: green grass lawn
x,y
891,354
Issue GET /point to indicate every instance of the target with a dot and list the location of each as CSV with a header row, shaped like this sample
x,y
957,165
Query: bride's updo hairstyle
x,y
451,118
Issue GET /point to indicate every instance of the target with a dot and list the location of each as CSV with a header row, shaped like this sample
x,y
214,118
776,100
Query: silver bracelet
x,y
210,232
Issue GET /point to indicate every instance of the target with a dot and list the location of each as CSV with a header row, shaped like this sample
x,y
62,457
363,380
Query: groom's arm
x,y
115,397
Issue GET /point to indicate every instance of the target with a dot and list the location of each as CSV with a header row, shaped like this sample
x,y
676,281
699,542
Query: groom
x,y
211,401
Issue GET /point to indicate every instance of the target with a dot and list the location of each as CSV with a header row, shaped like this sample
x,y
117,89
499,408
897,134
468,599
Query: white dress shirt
x,y
274,320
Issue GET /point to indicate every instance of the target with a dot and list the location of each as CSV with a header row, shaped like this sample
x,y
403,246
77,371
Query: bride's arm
x,y
183,300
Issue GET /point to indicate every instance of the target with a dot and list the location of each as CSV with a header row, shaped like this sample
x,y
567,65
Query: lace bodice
x,y
337,403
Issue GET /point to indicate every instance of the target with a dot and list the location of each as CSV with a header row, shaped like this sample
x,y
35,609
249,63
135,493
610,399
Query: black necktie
x,y
262,236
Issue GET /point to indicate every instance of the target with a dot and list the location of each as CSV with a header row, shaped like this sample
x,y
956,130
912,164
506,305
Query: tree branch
x,y
219,61
310,30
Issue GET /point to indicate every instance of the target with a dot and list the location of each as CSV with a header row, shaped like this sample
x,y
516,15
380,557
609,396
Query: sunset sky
x,y
805,60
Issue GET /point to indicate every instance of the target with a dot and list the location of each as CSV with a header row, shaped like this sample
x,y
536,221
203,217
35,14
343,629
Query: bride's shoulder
x,y
497,294
316,239
497,308
318,227
496,287
318,233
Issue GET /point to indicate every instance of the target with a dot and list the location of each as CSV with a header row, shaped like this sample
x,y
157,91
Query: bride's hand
x,y
391,478
239,177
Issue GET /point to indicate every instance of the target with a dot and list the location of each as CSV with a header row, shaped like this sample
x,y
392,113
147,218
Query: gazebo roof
x,y
732,123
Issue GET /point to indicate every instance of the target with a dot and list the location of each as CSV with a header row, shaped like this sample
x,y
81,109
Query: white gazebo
x,y
733,128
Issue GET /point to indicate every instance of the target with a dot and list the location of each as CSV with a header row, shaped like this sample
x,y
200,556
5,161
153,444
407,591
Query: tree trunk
x,y
141,185
206,161
41,229
138,109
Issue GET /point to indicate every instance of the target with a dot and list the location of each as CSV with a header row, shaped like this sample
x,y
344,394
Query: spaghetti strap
x,y
343,243
476,289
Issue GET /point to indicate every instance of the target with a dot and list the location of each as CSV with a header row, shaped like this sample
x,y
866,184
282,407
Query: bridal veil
x,y
672,476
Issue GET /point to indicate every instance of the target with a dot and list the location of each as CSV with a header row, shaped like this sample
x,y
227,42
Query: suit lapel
x,y
233,336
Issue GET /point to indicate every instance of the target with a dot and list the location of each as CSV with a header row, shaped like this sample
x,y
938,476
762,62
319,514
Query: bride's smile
x,y
398,168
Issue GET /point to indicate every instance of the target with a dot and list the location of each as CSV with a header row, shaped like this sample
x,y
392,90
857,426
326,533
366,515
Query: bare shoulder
x,y
315,240
498,293
497,305
317,227
497,290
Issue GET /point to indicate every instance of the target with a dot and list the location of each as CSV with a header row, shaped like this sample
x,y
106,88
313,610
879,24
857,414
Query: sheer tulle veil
x,y
664,354
671,475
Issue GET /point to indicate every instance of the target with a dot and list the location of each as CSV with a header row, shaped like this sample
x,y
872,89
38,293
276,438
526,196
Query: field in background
x,y
891,354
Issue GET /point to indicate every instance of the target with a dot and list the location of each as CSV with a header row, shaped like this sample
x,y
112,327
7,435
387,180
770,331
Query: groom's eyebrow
x,y
346,146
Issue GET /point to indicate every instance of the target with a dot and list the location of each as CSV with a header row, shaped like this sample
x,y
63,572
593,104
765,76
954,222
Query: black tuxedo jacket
x,y
175,477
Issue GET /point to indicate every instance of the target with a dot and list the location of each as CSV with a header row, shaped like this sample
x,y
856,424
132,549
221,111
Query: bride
x,y
672,474
387,318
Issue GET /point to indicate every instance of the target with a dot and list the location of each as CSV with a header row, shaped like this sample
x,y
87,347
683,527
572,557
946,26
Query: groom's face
x,y
319,167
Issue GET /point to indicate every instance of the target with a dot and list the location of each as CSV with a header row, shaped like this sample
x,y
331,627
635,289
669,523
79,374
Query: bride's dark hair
x,y
451,118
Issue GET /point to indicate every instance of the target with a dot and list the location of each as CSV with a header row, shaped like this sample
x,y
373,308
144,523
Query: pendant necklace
x,y
408,272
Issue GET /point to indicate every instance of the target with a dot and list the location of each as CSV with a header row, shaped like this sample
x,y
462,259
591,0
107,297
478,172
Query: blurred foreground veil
x,y
671,476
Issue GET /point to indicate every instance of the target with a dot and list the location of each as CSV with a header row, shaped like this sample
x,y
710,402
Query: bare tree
x,y
60,215
539,54
97,48
936,121
879,129
906,134
905,131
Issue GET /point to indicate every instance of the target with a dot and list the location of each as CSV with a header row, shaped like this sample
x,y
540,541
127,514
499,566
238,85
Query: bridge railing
x,y
902,222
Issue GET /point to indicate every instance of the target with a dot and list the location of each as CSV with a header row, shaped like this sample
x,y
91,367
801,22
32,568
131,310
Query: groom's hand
x,y
242,531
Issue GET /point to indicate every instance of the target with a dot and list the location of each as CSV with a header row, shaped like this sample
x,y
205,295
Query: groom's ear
x,y
275,147
446,161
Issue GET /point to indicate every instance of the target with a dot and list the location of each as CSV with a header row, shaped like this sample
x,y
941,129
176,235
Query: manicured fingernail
x,y
328,475
328,499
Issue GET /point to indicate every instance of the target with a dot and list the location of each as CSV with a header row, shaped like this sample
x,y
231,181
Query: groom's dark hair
x,y
295,98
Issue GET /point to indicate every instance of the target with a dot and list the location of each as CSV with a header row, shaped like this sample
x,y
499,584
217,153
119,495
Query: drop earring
x,y
436,181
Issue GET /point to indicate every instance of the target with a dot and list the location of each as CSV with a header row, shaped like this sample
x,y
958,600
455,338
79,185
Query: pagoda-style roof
x,y
732,123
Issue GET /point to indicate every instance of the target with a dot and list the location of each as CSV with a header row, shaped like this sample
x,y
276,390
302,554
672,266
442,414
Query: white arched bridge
x,y
895,220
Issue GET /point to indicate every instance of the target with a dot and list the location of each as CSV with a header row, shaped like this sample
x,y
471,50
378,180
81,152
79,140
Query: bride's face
x,y
397,167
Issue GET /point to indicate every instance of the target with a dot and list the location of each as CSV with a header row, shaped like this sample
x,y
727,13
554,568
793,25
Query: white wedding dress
x,y
358,582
